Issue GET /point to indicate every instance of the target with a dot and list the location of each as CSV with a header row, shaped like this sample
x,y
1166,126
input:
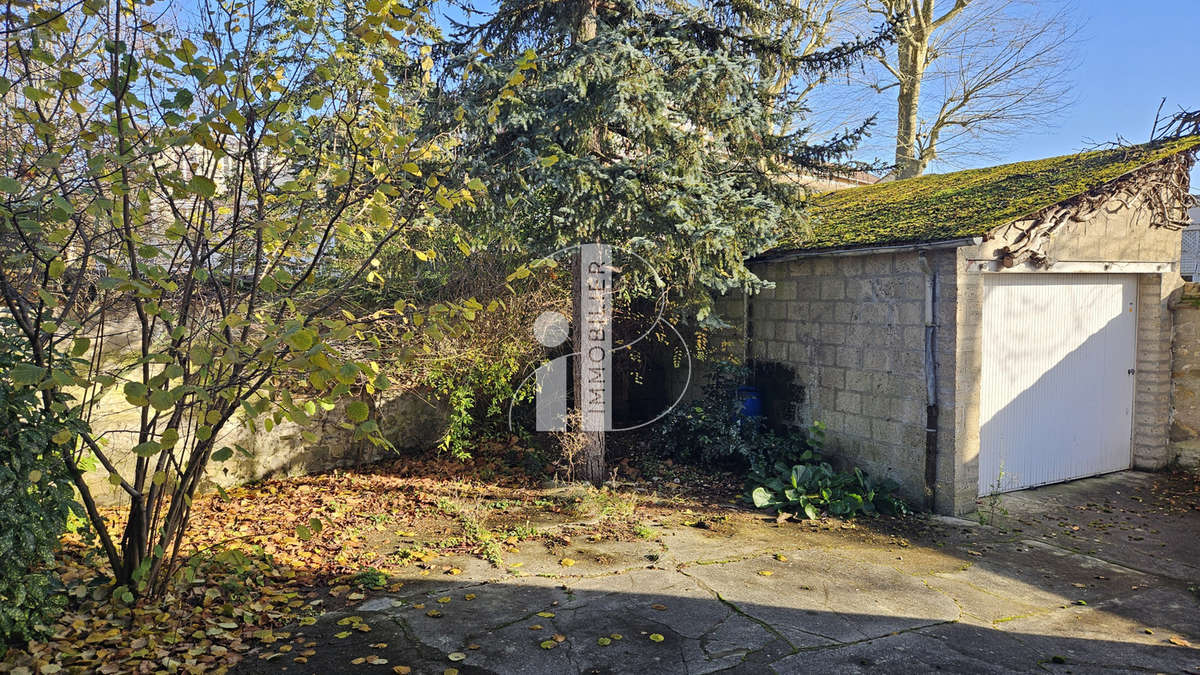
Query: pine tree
x,y
645,126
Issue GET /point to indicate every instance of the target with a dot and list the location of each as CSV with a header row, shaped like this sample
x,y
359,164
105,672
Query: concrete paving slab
x,y
817,597
912,596
1125,518
951,649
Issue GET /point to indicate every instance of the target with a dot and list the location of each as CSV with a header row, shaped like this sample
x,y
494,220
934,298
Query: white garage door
x,y
1056,398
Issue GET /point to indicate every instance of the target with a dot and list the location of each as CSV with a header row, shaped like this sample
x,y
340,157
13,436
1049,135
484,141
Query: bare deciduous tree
x,y
967,69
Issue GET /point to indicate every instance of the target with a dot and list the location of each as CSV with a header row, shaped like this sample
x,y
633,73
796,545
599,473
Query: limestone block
x,y
849,402
833,289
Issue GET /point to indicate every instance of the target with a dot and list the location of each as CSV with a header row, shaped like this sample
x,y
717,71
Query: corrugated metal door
x,y
1189,253
1056,399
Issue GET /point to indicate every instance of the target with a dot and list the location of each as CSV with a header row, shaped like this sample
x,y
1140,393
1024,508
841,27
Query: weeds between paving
x,y
250,572
287,549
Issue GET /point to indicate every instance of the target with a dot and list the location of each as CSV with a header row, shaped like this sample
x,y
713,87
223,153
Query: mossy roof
x,y
941,207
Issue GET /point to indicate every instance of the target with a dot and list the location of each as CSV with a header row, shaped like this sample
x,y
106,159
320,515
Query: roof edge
x,y
777,255
1187,145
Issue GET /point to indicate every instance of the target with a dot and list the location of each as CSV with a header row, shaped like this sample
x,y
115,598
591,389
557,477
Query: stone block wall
x,y
853,329
1152,379
1185,378
408,420
962,463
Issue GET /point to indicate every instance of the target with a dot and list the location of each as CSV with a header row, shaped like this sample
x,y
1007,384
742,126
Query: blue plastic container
x,y
752,404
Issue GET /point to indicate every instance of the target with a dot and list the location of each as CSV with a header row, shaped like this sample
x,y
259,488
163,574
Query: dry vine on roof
x,y
1159,189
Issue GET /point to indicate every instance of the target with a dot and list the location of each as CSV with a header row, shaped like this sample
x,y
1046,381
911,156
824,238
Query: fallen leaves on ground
x,y
257,560
220,607
246,572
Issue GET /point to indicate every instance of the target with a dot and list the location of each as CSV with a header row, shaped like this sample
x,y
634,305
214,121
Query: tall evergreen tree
x,y
644,125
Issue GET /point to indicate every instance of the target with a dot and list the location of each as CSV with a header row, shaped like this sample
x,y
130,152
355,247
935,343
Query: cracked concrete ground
x,y
1059,586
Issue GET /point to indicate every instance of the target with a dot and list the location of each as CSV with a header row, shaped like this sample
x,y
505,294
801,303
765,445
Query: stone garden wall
x,y
1185,377
410,421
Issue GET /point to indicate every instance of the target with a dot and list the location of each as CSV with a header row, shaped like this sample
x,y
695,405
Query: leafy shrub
x,y
784,470
36,499
812,486
712,432
477,366
478,394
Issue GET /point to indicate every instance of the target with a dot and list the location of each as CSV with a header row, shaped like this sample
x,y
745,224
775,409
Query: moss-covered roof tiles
x,y
940,207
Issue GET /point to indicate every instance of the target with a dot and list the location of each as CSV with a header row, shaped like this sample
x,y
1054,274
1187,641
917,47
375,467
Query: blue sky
x,y
1131,54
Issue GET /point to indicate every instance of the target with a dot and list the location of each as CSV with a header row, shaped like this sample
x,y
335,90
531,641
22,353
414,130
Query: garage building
x,y
985,330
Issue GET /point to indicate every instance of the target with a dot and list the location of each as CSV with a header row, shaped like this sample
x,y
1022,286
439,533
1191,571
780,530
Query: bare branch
x,y
970,71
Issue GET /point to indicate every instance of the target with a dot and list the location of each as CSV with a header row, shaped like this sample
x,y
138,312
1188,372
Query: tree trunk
x,y
586,30
133,543
590,410
590,467
906,131
911,61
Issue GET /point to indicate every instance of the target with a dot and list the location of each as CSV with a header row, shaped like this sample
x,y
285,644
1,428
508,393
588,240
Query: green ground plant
x,y
813,487
474,531
36,501
993,505
785,471
604,504
369,577
477,394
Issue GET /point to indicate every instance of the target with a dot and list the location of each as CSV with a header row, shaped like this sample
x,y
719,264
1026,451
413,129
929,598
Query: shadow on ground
x,y
705,634
943,594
